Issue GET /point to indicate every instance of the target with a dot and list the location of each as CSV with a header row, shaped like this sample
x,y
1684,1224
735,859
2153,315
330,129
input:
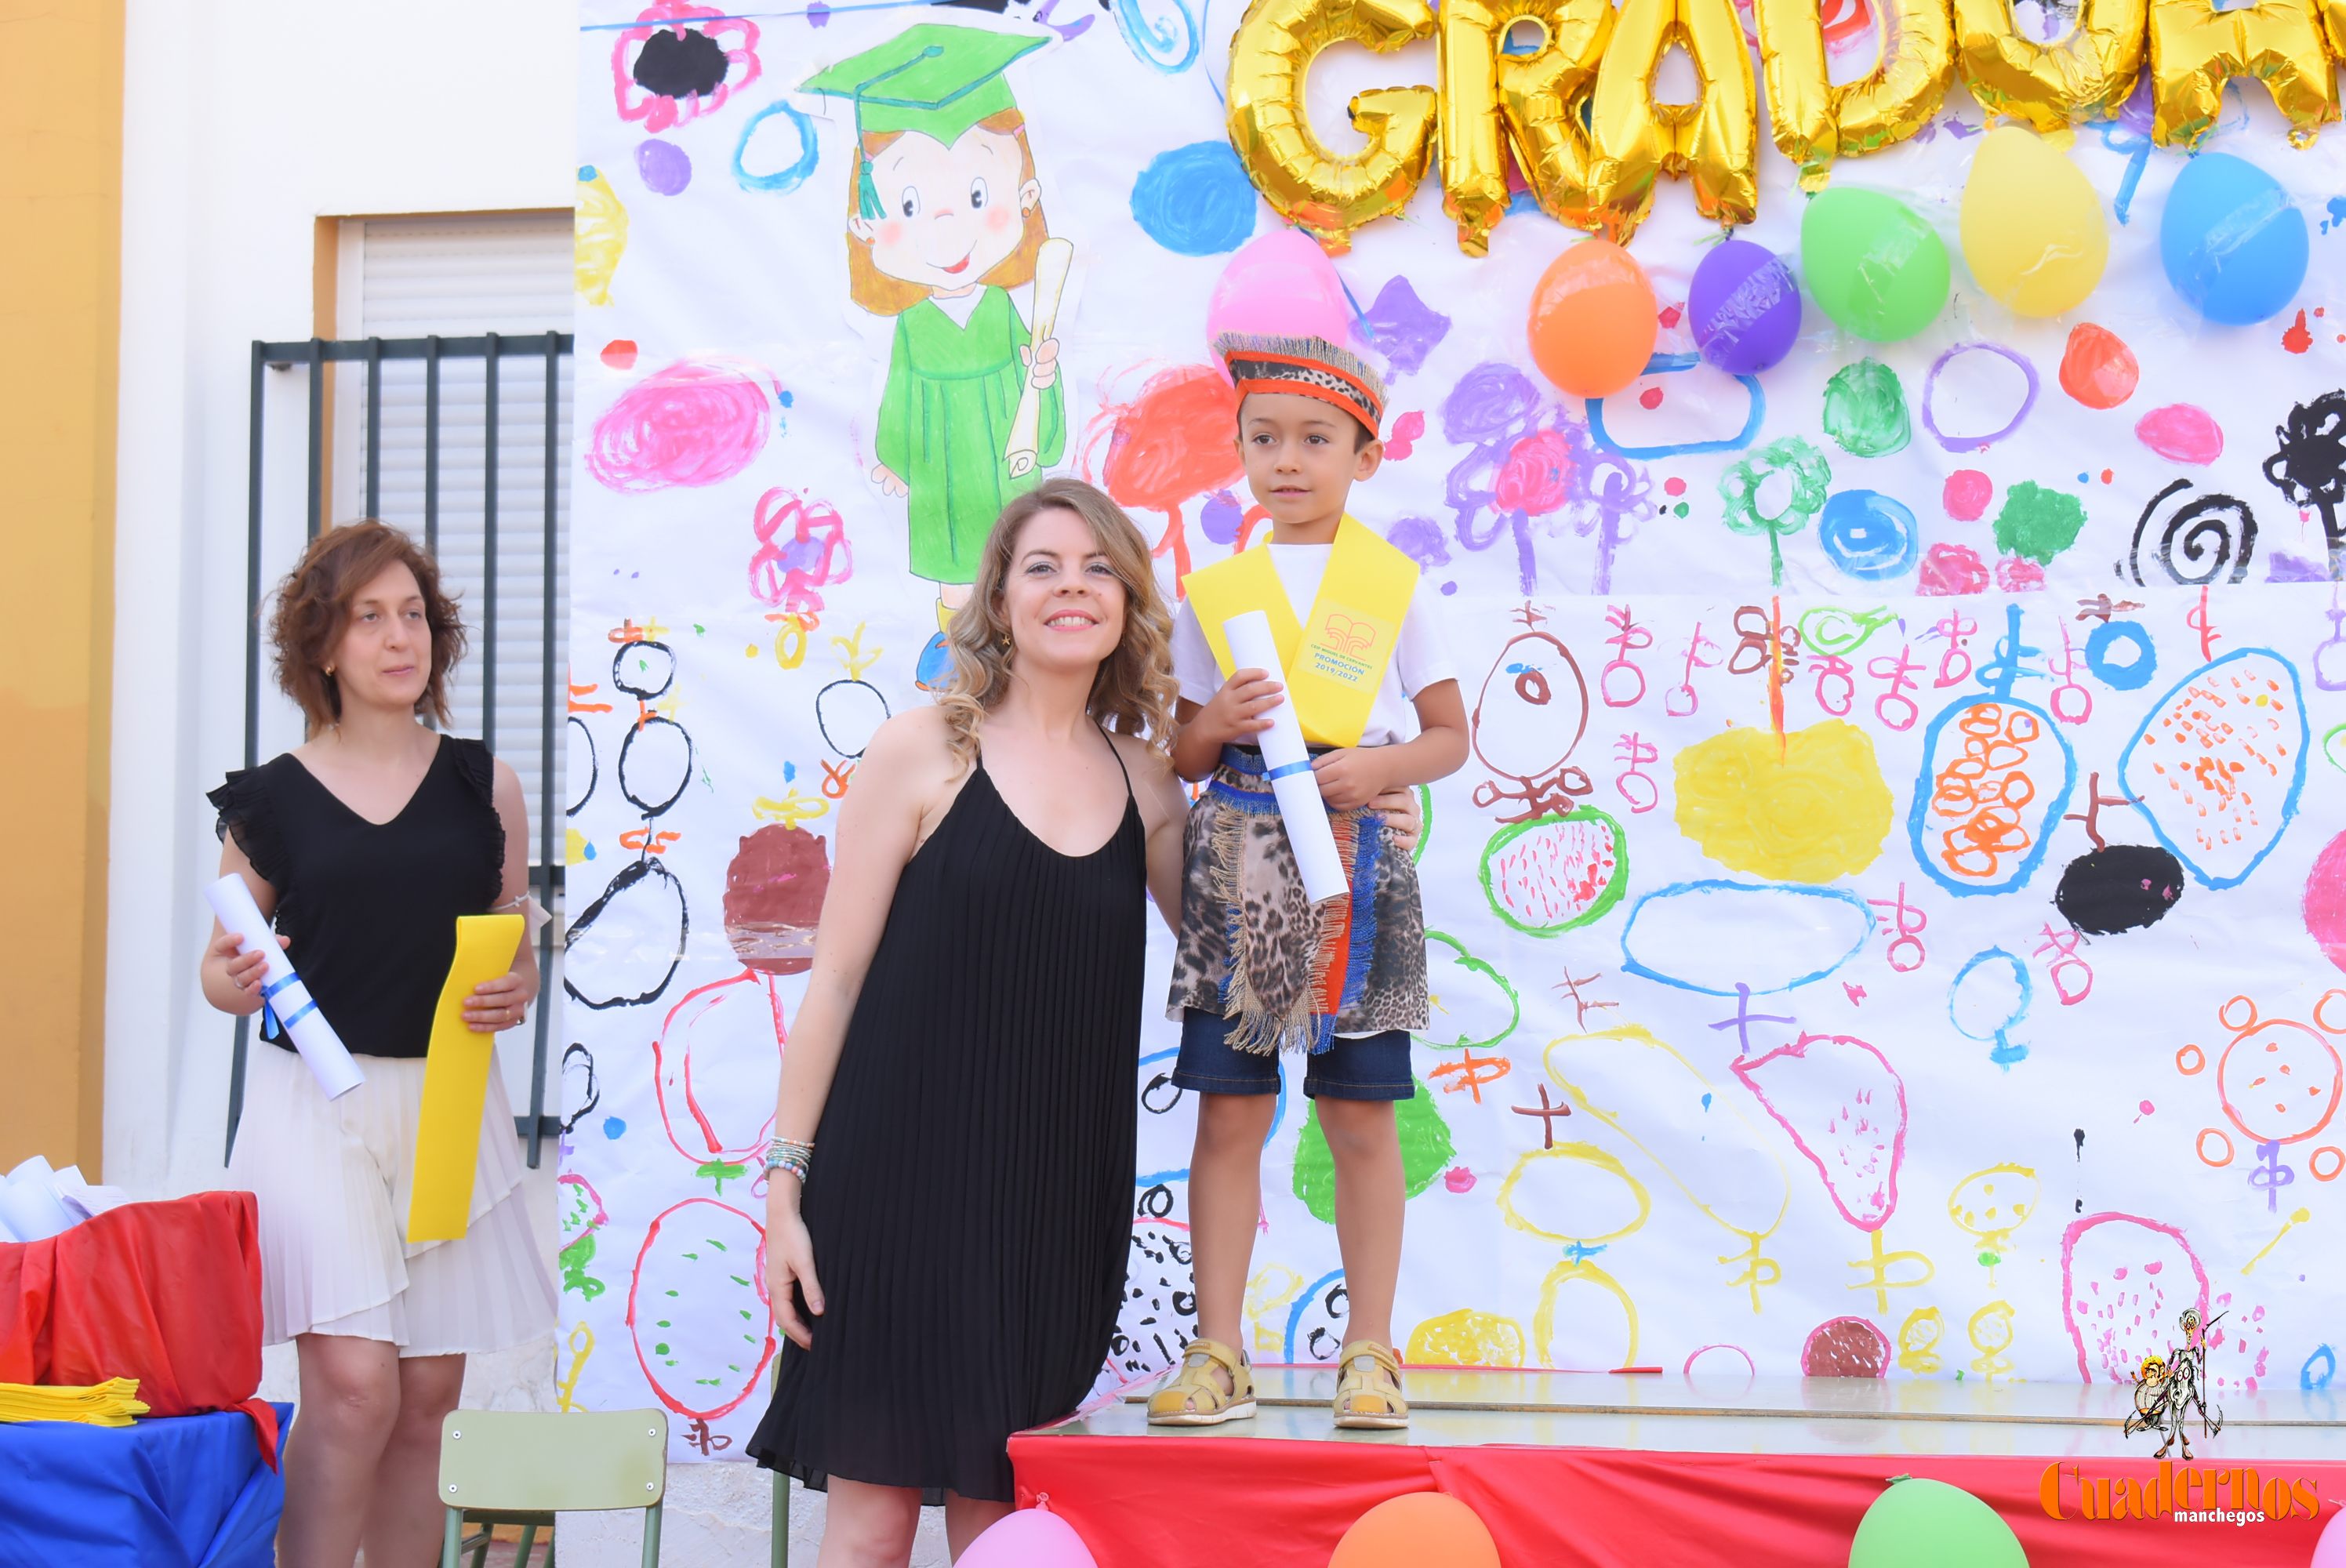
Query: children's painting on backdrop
x,y
1891,919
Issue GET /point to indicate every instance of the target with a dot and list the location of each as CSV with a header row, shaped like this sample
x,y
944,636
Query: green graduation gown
x,y
945,422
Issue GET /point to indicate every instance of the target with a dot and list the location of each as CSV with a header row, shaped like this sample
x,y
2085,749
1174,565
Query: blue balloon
x,y
2232,242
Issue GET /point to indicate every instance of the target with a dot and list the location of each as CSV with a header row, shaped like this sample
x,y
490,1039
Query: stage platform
x,y
1662,1470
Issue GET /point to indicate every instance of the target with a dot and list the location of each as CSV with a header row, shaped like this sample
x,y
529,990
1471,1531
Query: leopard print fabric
x,y
1240,895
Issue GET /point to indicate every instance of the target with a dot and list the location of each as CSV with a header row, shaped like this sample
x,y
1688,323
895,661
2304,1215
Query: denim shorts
x,y
1374,1067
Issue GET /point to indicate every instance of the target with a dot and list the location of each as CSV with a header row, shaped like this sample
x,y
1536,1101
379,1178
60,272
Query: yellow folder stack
x,y
111,1403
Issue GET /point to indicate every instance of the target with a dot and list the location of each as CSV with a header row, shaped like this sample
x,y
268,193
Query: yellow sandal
x,y
1368,1394
1192,1399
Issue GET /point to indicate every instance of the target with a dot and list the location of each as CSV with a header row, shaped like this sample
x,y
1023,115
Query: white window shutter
x,y
464,276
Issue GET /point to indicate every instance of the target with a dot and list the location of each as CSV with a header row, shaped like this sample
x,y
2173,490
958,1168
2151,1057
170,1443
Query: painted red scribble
x,y
1846,1348
1176,440
814,554
657,112
1472,1073
700,1398
742,1016
1951,569
696,421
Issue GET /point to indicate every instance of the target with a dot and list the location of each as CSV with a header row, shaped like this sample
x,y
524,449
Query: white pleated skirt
x,y
334,1178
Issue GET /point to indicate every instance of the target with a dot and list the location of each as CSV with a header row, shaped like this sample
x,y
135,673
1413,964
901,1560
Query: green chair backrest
x,y
536,1461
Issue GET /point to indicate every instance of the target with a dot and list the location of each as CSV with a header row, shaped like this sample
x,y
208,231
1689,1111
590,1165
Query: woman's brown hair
x,y
1133,693
882,295
313,607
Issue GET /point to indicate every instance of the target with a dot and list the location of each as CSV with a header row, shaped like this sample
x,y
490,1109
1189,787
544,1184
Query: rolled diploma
x,y
1027,422
1284,756
329,1060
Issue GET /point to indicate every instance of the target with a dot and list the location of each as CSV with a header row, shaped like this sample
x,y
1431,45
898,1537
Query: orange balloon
x,y
1417,1530
1594,319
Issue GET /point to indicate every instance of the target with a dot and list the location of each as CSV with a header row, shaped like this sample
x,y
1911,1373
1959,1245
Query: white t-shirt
x,y
1419,659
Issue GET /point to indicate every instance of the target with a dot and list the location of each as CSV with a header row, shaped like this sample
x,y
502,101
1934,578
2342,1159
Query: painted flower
x,y
665,72
1742,485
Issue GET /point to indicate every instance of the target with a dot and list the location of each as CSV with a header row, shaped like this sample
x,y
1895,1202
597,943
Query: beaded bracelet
x,y
789,1154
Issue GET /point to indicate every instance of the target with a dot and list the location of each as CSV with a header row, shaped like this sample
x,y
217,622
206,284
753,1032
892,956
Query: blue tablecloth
x,y
186,1493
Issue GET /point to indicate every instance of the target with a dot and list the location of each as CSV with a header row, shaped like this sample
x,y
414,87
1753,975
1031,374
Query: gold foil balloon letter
x,y
2085,76
1812,120
1534,101
2195,49
1715,139
1309,186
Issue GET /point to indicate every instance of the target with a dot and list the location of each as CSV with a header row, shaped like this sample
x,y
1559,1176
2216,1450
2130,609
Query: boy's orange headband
x,y
1307,367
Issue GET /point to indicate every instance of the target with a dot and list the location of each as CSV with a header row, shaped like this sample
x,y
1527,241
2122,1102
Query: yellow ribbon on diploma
x,y
456,1083
1334,665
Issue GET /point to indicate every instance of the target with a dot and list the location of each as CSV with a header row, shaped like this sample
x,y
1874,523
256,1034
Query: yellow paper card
x,y
456,1083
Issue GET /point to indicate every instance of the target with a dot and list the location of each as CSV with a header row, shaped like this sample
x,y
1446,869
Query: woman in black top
x,y
365,844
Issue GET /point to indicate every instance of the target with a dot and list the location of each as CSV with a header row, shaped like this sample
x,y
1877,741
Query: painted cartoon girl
x,y
944,217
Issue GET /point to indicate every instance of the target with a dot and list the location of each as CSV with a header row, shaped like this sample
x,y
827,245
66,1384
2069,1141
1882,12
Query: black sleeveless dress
x,y
971,1200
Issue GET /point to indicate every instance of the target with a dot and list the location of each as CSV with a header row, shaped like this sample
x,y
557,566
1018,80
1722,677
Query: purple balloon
x,y
1744,307
665,166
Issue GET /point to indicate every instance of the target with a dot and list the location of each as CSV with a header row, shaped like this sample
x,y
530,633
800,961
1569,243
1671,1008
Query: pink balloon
x,y
1029,1538
1280,284
2330,1551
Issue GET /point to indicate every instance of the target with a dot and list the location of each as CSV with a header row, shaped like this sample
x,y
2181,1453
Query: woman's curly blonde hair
x,y
1133,693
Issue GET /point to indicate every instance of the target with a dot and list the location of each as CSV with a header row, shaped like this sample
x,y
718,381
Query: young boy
x,y
1260,969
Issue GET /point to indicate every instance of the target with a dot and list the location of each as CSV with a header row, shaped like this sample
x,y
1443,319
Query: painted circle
x,y
2197,1058
1966,493
2014,415
1551,874
2337,1162
2321,1012
2238,1014
1869,535
784,177
2138,664
2280,1082
1532,709
1196,201
2221,1136
666,167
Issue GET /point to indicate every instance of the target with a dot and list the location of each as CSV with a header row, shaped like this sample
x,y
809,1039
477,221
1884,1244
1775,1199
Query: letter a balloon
x,y
2033,231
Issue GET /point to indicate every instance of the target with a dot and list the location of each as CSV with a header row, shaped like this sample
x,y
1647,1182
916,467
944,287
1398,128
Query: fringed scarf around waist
x,y
1294,967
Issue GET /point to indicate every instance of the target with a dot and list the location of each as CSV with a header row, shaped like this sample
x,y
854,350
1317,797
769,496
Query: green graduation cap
x,y
930,77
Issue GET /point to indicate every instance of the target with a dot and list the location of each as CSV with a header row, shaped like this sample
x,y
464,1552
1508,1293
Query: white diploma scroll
x,y
297,1013
1289,764
1026,423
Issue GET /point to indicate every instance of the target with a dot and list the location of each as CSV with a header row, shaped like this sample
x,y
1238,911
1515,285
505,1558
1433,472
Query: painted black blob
x,y
678,65
2122,888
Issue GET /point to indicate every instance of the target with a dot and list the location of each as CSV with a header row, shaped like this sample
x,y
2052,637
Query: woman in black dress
x,y
950,1272
364,846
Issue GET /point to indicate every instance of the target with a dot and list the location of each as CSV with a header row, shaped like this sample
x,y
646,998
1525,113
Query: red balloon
x,y
1594,319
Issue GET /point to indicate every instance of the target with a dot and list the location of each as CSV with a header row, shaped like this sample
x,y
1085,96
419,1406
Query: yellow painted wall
x,y
60,228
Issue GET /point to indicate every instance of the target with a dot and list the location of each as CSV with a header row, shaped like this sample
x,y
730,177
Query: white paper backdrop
x,y
1789,894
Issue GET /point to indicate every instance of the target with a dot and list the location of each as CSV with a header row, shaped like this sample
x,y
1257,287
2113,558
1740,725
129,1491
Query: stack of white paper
x,y
36,1202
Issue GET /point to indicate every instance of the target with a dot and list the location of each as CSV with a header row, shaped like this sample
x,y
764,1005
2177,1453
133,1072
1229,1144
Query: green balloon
x,y
1871,261
1919,1523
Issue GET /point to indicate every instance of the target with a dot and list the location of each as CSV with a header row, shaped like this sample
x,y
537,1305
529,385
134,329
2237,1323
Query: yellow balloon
x,y
1715,139
1271,129
2033,231
1812,121
2085,76
1532,100
2195,49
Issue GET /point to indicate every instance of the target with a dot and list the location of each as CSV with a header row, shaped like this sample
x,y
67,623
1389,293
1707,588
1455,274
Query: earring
x,y
329,672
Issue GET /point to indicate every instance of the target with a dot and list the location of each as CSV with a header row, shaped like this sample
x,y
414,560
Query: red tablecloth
x,y
168,1293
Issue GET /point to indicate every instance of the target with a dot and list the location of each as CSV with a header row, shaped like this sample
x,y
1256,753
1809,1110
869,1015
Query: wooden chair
x,y
523,1467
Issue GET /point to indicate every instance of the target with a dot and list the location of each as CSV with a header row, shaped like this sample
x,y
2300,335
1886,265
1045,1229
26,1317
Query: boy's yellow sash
x,y
1335,665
